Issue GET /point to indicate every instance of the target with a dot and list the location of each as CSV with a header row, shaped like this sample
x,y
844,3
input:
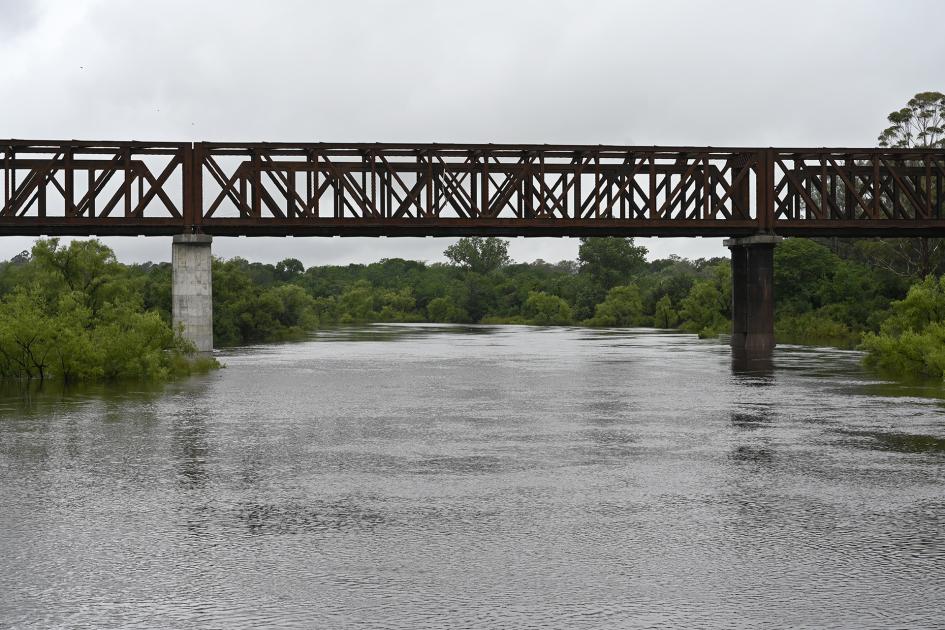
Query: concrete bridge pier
x,y
753,293
191,289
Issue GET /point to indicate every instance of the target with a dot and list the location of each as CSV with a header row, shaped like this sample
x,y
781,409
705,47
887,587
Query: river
x,y
424,476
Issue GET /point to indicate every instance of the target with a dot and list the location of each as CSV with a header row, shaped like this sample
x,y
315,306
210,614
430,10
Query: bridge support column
x,y
191,296
753,293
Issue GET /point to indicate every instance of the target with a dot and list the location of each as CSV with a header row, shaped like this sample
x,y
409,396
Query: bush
x,y
665,315
65,340
909,353
444,310
911,341
542,309
701,310
623,306
815,328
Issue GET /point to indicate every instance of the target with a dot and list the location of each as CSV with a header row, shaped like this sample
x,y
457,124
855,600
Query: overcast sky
x,y
743,73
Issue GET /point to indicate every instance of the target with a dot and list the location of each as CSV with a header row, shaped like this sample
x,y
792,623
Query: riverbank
x,y
821,298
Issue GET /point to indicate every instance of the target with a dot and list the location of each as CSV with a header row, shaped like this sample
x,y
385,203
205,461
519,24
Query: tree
x,y
610,261
79,318
622,307
289,269
357,303
920,124
443,309
665,315
481,255
88,267
702,310
802,268
911,341
543,309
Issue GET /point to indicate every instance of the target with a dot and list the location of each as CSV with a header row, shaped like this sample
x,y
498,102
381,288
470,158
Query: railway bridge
x,y
194,191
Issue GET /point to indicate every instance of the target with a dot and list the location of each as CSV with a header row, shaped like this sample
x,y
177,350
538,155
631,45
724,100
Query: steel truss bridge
x,y
326,189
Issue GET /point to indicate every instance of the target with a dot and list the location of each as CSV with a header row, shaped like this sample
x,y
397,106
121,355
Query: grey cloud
x,y
16,17
673,72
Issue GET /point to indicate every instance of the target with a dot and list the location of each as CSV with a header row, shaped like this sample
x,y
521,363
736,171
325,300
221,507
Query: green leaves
x,y
76,315
920,124
623,307
542,309
65,340
252,305
702,310
444,310
611,261
481,255
911,341
665,315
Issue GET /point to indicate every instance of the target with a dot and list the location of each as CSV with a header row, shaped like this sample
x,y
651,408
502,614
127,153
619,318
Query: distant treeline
x,y
119,315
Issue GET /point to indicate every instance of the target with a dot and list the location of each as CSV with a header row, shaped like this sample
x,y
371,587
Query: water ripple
x,y
417,476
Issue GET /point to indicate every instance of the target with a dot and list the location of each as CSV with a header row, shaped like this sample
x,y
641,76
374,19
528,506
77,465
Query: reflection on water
x,y
898,442
315,517
422,476
759,365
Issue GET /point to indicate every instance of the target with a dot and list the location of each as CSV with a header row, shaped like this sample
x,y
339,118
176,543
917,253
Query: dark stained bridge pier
x,y
195,191
753,293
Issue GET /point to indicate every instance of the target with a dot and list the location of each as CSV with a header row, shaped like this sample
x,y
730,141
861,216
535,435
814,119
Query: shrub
x,y
623,306
543,309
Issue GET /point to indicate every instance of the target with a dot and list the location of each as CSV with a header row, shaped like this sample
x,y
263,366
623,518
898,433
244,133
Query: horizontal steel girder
x,y
329,189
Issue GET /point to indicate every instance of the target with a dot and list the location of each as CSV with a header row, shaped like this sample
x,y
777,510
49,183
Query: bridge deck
x,y
323,189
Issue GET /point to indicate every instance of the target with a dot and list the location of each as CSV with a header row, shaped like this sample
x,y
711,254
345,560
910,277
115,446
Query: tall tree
x,y
920,124
482,255
611,261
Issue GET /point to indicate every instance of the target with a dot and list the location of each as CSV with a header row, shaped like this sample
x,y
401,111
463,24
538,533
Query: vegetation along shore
x,y
75,313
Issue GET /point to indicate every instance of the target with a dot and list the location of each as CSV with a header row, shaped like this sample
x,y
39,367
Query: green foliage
x,y
623,307
542,309
815,328
444,310
802,271
819,294
665,316
610,261
911,340
55,298
78,318
921,123
357,303
289,269
254,311
895,261
908,354
702,311
923,305
481,255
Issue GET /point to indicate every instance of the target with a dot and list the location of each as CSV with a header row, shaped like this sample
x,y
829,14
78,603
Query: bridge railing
x,y
73,187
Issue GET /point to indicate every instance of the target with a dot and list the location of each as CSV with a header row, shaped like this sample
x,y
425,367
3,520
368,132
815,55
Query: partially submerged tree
x,y
77,316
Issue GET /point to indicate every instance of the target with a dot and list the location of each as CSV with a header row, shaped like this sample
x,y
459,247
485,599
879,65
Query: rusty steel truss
x,y
323,189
